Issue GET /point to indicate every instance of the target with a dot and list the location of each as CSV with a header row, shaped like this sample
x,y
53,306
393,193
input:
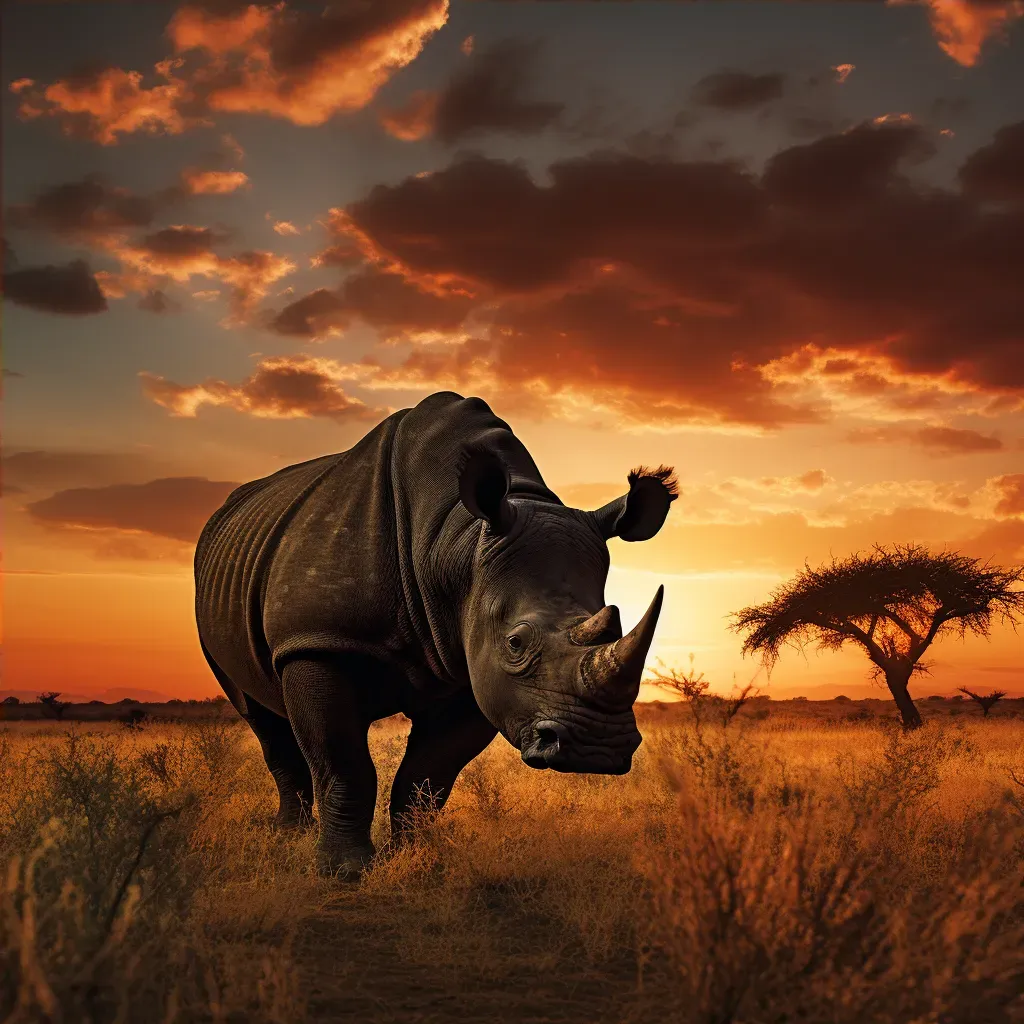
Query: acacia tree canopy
x,y
894,602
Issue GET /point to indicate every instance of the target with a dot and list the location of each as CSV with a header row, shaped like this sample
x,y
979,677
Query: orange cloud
x,y
302,66
105,104
414,119
199,183
1011,494
285,227
963,26
183,251
283,387
843,72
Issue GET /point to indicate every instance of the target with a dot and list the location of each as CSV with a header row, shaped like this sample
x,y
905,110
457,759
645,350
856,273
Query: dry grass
x,y
765,872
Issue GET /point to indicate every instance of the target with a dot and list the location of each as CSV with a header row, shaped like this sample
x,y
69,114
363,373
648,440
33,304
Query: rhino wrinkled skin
x,y
427,570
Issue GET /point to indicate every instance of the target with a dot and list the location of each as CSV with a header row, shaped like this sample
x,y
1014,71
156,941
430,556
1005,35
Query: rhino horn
x,y
611,673
601,627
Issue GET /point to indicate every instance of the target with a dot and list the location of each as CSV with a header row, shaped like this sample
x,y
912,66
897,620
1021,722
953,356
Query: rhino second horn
x,y
611,673
601,627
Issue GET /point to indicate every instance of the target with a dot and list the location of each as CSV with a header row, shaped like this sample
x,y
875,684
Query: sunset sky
x,y
779,246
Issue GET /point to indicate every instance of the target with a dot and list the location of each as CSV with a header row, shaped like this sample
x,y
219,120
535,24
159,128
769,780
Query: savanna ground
x,y
786,867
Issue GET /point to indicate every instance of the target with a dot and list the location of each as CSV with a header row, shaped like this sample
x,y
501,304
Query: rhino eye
x,y
517,642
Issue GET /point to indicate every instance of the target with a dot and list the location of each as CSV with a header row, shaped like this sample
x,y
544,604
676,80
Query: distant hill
x,y
111,696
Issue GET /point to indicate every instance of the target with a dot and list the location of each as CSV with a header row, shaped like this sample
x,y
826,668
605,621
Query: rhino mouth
x,y
577,747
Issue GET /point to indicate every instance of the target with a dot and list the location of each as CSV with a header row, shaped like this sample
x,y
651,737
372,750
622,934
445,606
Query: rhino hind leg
x,y
442,741
286,764
330,726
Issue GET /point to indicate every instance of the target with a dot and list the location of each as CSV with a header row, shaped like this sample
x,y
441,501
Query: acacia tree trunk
x,y
897,681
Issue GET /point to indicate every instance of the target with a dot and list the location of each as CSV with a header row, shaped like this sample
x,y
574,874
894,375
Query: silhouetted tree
x,y
987,701
53,706
893,602
12,700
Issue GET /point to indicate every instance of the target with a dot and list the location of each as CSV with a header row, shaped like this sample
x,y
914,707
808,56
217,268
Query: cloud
x,y
198,182
937,441
672,290
963,26
156,301
70,289
103,103
414,119
285,227
843,71
387,301
183,251
176,507
85,210
283,387
304,66
1010,489
738,90
996,171
486,94
851,167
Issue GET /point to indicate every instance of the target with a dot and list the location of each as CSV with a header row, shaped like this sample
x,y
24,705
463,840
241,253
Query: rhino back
x,y
232,556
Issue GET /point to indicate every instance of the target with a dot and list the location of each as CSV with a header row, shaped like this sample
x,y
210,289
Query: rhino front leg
x,y
442,741
331,727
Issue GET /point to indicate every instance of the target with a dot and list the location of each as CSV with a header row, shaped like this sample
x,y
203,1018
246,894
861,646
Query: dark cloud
x,y
996,171
176,507
181,242
305,317
69,289
86,208
386,301
838,170
488,95
935,440
738,90
156,301
665,284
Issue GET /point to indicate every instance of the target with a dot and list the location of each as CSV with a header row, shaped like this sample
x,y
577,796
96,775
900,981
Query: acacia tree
x,y
53,706
893,602
987,700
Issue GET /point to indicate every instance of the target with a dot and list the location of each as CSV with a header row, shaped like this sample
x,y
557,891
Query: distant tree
x,y
53,706
893,602
987,701
12,700
843,698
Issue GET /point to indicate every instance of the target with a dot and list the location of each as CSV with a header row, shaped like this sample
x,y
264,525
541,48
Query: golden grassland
x,y
777,869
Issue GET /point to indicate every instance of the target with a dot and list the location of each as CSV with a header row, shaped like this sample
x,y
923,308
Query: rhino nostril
x,y
547,738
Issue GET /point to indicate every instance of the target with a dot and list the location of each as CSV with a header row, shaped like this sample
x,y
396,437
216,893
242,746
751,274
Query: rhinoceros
x,y
427,570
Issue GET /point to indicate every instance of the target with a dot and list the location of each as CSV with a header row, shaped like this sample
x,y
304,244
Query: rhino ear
x,y
641,513
483,487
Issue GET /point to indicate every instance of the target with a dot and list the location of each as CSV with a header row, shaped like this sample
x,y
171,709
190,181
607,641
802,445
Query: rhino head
x,y
548,662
